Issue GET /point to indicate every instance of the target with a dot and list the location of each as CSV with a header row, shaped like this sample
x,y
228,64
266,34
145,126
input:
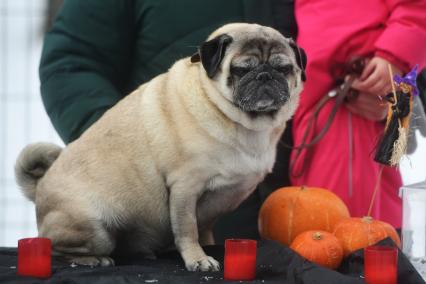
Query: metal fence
x,y
22,117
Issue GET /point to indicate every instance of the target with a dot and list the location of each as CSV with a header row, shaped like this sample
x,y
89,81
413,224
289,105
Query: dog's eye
x,y
239,71
286,69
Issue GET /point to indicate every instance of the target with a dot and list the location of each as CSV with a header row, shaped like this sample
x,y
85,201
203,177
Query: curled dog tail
x,y
31,165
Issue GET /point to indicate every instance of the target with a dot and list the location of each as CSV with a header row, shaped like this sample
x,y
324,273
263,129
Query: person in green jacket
x,y
97,52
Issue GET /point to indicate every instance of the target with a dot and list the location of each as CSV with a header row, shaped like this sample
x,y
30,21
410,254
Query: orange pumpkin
x,y
320,247
357,233
290,211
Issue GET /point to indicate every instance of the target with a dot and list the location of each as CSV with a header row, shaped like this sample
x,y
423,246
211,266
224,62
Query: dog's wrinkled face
x,y
254,67
260,75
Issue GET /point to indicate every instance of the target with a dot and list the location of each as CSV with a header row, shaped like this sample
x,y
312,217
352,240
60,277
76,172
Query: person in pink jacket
x,y
332,32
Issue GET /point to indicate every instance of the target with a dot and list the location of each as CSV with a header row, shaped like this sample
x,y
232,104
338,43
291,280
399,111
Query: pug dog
x,y
160,167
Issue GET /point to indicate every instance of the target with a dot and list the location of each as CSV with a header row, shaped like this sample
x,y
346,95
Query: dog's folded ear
x,y
301,58
211,53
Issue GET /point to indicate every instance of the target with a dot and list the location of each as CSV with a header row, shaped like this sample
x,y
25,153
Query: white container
x,y
414,224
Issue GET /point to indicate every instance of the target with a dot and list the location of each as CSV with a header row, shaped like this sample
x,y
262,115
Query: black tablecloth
x,y
275,264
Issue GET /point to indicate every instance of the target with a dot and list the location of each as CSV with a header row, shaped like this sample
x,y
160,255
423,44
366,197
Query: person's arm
x,y
86,58
402,46
403,41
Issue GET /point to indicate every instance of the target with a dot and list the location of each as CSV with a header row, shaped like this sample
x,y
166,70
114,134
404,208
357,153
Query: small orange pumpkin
x,y
289,211
320,247
357,233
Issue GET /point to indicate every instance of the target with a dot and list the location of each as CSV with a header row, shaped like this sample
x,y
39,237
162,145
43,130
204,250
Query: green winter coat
x,y
97,52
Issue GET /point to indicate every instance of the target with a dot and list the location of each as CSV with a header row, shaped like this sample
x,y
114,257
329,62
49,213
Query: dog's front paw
x,y
206,263
91,260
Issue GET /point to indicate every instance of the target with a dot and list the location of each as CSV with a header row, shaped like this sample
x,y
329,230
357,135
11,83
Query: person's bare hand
x,y
375,78
373,84
368,106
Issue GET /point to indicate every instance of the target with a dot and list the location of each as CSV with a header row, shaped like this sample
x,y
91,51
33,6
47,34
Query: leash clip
x,y
332,93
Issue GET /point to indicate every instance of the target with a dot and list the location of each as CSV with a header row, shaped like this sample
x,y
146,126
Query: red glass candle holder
x,y
34,257
380,264
240,259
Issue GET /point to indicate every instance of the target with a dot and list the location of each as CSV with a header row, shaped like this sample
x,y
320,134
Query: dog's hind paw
x,y
207,263
91,260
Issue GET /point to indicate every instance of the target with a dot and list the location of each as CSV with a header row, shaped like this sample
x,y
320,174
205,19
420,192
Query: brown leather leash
x,y
353,69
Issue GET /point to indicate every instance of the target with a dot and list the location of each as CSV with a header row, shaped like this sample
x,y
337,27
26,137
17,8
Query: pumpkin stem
x,y
317,236
303,187
367,219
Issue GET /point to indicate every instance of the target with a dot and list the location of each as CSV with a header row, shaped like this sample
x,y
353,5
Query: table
x,y
275,264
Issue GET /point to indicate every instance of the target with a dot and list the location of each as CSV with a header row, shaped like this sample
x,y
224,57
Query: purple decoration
x,y
409,79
